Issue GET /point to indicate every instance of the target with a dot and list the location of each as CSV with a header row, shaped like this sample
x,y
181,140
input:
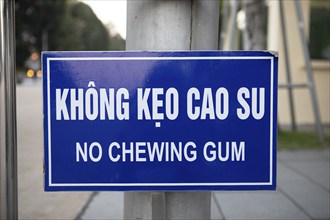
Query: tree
x,y
33,18
90,30
116,43
58,25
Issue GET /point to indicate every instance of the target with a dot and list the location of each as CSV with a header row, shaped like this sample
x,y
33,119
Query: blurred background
x,y
100,25
54,25
50,25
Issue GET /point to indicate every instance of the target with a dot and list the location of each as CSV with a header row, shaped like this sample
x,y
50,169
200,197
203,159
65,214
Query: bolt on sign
x,y
131,121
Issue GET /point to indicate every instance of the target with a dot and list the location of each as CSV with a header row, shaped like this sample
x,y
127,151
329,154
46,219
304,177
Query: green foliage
x,y
33,18
319,44
301,140
58,25
117,43
89,29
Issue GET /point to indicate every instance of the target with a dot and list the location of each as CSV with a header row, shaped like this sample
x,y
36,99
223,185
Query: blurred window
x,y
319,42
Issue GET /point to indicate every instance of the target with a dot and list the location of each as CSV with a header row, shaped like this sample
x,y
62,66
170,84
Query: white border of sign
x,y
270,182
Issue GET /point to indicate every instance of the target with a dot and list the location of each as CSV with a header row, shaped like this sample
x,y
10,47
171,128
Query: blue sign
x,y
160,120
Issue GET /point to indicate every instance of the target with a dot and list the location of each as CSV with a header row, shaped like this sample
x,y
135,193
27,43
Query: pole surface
x,y
8,142
170,25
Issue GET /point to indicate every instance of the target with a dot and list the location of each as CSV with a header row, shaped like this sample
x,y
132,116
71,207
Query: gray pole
x,y
232,25
287,66
311,83
8,146
170,25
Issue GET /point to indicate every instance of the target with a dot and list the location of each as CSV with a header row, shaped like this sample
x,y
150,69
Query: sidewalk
x,y
33,202
303,192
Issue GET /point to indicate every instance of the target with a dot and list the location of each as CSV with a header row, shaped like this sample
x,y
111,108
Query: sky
x,y
110,11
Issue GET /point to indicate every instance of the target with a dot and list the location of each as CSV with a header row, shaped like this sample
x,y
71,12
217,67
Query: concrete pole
x,y
8,144
170,25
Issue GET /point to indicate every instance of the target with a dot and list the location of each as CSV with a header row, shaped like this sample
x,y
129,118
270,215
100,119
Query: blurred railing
x,y
8,141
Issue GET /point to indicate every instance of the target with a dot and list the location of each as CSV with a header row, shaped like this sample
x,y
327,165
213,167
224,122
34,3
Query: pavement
x,y
303,182
33,202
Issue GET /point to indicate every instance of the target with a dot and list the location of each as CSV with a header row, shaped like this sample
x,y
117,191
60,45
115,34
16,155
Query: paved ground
x,y
303,190
33,202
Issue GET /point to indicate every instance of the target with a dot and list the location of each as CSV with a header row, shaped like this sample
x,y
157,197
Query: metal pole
x,y
170,25
311,82
8,142
287,66
232,26
224,24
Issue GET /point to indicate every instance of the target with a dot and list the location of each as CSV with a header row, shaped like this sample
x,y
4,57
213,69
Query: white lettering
x,y
122,107
172,103
258,115
77,104
129,151
140,151
157,103
142,101
222,103
257,102
242,94
192,153
91,104
155,149
193,113
112,158
211,151
81,152
238,154
99,150
84,153
107,104
213,155
61,104
207,104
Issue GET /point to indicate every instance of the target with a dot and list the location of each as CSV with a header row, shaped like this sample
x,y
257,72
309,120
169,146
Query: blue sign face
x,y
160,120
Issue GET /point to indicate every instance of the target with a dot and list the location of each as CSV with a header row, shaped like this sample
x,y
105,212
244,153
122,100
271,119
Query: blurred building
x,y
317,22
316,16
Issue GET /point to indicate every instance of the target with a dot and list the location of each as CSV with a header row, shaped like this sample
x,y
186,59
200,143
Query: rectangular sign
x,y
160,120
